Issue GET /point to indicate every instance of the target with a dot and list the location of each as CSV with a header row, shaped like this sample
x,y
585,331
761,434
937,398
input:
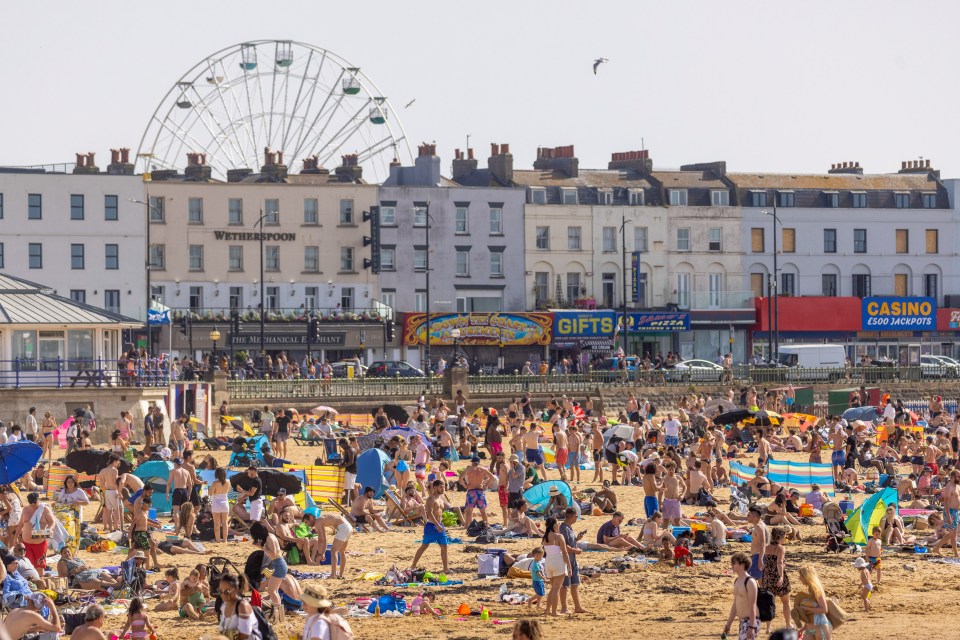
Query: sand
x,y
645,602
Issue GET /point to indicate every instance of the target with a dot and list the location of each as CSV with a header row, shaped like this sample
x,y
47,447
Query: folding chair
x,y
346,514
396,503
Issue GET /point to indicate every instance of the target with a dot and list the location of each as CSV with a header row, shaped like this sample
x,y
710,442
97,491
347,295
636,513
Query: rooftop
x,y
836,181
25,302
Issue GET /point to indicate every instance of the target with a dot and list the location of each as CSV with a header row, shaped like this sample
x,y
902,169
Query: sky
x,y
766,86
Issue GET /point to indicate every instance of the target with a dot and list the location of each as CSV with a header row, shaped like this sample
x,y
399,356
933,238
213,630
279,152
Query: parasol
x,y
764,419
394,412
93,461
17,459
732,417
718,406
323,409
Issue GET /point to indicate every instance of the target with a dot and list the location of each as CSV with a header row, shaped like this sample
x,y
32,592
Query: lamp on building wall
x,y
455,334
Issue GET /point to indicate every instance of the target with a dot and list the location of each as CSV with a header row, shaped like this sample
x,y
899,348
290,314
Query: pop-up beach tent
x,y
370,466
869,514
157,474
538,495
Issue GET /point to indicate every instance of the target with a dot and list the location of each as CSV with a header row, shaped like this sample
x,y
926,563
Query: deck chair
x,y
346,514
389,495
739,503
134,579
216,568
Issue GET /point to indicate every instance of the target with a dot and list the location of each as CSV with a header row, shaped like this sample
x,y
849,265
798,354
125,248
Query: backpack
x,y
72,620
255,415
704,499
766,605
476,528
266,629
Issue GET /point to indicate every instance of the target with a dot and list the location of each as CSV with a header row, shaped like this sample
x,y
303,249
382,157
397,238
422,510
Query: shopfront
x,y
652,333
582,337
491,341
899,329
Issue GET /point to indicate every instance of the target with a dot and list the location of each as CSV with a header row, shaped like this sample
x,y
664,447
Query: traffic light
x,y
237,321
313,329
183,324
373,240
389,328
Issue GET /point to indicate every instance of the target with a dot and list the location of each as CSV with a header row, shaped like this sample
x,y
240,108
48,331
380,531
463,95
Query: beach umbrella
x,y
732,417
799,420
273,480
17,459
93,461
323,409
622,431
764,419
238,423
860,413
718,406
393,411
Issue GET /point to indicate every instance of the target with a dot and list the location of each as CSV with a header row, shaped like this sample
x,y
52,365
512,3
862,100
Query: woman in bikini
x,y
46,430
777,513
652,534
220,505
402,460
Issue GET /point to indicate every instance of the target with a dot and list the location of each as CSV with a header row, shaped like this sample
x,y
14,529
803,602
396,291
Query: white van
x,y
823,359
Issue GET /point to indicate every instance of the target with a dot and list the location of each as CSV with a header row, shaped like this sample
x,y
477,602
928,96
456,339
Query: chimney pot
x,y
494,149
81,159
469,154
903,164
928,164
124,155
505,148
456,154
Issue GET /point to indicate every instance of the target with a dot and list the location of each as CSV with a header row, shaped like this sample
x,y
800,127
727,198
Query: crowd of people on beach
x,y
676,457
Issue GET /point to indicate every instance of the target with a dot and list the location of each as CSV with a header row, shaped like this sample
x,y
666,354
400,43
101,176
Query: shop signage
x,y
651,321
954,319
253,236
583,324
509,329
915,314
279,340
155,317
637,272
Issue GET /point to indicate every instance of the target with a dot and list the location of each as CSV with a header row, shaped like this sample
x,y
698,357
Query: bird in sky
x,y
597,63
410,103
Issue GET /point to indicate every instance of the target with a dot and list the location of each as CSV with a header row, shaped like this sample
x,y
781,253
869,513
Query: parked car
x,y
695,371
393,368
938,367
613,364
340,369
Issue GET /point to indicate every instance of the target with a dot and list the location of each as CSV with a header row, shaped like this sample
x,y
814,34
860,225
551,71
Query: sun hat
x,y
554,491
315,596
860,563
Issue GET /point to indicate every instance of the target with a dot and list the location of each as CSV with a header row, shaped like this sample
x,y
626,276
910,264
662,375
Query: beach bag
x,y
293,556
488,565
704,499
476,528
766,605
835,613
72,620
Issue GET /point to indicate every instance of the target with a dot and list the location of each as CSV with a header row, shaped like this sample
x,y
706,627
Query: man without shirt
x,y
744,600
760,537
673,490
180,483
476,479
107,481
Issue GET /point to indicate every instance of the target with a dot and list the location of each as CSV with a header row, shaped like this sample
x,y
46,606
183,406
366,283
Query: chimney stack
x,y
558,159
197,169
500,163
463,166
273,169
350,170
311,166
638,161
86,164
918,166
851,168
425,150
120,164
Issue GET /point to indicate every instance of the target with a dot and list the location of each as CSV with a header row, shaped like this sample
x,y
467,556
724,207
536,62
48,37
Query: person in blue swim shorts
x,y
433,530
651,488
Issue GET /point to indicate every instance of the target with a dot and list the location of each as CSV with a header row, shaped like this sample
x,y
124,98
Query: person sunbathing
x,y
892,529
518,522
363,511
605,499
653,532
80,576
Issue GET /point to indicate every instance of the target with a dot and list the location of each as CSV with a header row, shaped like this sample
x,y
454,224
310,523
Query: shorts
x,y
650,505
141,540
111,499
539,588
496,447
349,479
672,441
444,453
933,468
167,546
433,535
535,456
746,627
596,455
283,437
554,566
754,570
875,562
573,460
195,495
561,457
178,446
838,458
514,496
180,496
420,471
279,567
574,578
503,496
36,553
361,519
671,509
476,498
789,401
343,532
917,460
256,509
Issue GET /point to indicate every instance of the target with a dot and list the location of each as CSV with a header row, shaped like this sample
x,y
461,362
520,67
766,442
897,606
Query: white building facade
x,y
80,234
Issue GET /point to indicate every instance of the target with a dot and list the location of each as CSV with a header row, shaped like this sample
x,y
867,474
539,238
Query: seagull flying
x,y
597,63
410,103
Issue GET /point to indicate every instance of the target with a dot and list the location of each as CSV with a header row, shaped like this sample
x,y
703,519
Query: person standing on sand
x,y
775,579
651,488
433,529
476,479
571,583
673,490
596,445
759,538
562,451
951,512
744,600
575,445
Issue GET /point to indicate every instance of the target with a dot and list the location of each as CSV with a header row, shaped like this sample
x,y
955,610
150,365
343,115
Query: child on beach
x,y
536,572
681,552
423,604
866,588
874,550
666,551
137,621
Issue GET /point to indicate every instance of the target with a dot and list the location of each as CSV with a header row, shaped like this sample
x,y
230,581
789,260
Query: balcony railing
x,y
293,314
717,300
83,372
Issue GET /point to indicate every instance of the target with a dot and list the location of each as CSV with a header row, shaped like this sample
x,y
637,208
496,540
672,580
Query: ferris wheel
x,y
292,97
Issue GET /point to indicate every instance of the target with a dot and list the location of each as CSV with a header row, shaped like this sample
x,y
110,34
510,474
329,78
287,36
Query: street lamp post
x,y
774,319
263,302
149,300
623,245
426,232
215,336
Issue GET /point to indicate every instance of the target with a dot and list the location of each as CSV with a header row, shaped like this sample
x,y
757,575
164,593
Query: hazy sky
x,y
771,86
